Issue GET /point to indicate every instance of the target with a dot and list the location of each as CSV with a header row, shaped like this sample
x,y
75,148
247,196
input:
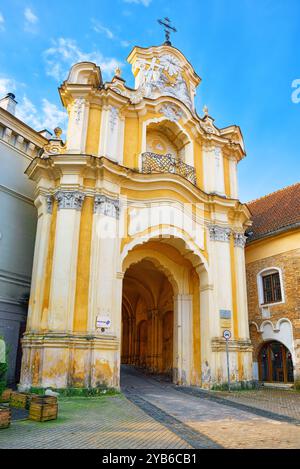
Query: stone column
x,y
221,314
44,205
242,306
207,325
182,339
63,281
105,292
105,282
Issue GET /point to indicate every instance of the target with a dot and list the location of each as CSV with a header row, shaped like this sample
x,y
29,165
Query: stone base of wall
x,y
61,360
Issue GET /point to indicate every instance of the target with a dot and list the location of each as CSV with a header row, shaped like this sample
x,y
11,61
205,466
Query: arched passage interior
x,y
161,309
147,318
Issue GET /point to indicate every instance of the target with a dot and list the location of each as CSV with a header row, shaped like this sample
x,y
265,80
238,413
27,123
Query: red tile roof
x,y
275,212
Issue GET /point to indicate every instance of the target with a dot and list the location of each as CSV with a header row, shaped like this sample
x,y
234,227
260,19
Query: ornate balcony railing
x,y
153,163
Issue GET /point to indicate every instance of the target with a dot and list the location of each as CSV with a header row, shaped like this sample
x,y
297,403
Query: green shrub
x,y
3,373
78,392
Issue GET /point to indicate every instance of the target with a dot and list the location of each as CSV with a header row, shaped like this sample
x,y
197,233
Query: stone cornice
x,y
16,125
68,340
108,95
94,167
218,344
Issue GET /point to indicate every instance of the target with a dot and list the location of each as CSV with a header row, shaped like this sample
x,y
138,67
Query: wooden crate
x,y
5,396
41,412
19,399
5,417
43,399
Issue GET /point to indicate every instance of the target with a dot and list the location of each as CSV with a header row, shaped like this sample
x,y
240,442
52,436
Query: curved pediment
x,y
164,71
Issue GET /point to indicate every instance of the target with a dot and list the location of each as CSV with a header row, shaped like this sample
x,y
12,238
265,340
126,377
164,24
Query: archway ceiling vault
x,y
146,281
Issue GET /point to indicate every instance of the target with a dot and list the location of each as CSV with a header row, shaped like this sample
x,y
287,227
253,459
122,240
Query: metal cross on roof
x,y
166,22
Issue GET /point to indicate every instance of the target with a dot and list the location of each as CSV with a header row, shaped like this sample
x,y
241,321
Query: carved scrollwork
x,y
69,199
218,233
107,206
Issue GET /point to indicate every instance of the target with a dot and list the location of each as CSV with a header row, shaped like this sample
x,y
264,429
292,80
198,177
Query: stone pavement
x,y
278,401
156,415
96,423
225,424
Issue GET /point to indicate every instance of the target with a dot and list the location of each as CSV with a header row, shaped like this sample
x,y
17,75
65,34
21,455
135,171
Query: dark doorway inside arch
x,y
147,320
275,363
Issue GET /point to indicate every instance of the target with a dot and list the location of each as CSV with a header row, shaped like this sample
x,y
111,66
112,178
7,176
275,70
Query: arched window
x,y
270,286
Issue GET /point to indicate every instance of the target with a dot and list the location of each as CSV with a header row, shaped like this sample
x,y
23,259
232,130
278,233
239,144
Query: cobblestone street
x,y
157,415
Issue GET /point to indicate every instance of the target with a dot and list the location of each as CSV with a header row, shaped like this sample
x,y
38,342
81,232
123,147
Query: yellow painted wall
x,y
83,267
272,246
131,142
93,132
198,162
227,177
49,264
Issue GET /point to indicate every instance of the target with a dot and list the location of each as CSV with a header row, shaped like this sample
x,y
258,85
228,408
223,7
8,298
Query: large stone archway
x,y
161,323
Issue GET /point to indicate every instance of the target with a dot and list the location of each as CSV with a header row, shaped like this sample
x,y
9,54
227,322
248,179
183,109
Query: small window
x,y
272,288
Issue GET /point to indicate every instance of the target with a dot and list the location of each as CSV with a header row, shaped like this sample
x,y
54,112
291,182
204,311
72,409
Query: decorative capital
x,y
49,202
69,199
239,240
218,233
107,206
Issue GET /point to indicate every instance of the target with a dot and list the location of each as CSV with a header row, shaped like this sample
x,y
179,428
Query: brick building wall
x,y
261,326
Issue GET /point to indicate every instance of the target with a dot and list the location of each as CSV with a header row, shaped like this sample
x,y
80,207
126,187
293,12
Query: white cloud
x,y
65,52
31,21
48,117
7,85
125,43
2,21
146,3
30,16
99,28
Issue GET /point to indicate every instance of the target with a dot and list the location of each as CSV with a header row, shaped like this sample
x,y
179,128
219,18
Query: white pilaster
x,y
242,305
183,338
44,208
77,128
111,142
63,284
233,178
105,296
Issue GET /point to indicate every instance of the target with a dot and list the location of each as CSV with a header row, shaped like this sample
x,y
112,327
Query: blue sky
x,y
246,51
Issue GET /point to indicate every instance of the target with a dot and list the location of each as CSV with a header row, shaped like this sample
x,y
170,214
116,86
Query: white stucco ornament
x,y
172,113
163,76
78,109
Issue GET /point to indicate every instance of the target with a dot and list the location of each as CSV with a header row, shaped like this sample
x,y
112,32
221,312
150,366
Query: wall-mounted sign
x,y
103,322
227,335
225,314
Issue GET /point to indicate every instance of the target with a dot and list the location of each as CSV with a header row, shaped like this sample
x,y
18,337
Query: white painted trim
x,y
17,195
10,301
17,150
158,234
14,278
260,286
